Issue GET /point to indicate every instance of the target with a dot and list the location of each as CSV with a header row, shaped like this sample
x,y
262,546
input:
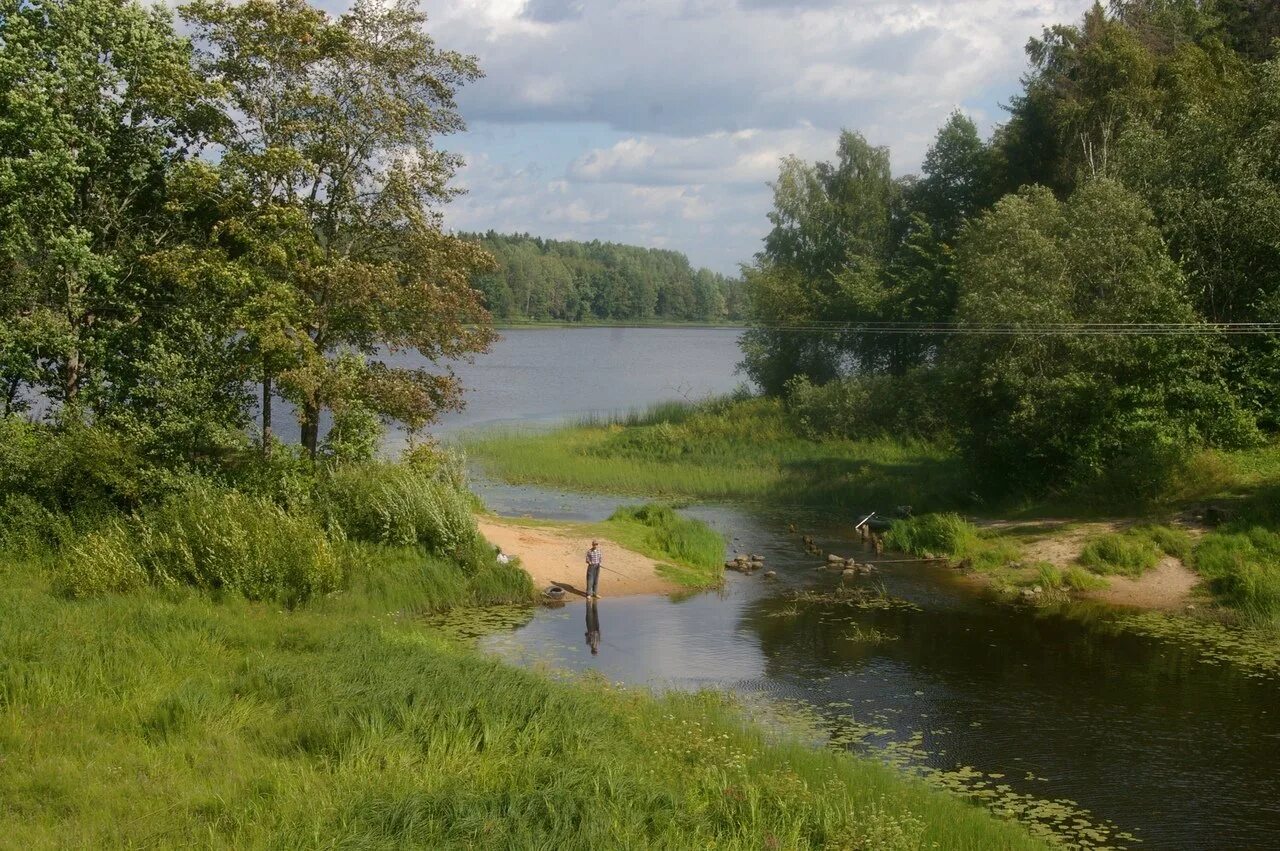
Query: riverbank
x,y
1210,543
176,720
554,556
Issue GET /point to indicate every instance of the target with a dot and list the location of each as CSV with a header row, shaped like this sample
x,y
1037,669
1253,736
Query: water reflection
x,y
593,627
1059,705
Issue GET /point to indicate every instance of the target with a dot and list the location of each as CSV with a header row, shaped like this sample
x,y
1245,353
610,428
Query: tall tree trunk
x,y
311,426
266,413
71,377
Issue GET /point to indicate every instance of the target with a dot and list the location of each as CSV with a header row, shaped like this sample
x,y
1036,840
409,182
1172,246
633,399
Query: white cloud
x,y
695,101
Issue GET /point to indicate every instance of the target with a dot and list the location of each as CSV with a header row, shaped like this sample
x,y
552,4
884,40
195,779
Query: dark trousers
x,y
593,578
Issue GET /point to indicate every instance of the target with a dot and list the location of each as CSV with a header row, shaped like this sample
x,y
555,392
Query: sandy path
x,y
558,557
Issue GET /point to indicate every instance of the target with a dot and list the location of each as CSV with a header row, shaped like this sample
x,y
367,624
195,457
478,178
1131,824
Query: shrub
x,y
400,505
76,469
103,562
868,406
29,529
211,540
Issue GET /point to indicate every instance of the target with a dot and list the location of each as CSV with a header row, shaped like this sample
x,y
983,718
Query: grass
x,y
1133,552
691,551
1241,565
172,719
952,537
744,450
1071,578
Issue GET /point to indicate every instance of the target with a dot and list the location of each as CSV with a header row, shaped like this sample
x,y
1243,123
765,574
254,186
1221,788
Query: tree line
x,y
1134,182
255,202
569,281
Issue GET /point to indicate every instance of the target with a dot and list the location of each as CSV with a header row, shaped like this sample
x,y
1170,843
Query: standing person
x,y
593,570
593,627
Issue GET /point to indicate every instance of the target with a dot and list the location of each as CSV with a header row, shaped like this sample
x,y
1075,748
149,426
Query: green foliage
x,y
29,529
952,537
233,724
1135,551
1068,412
567,281
400,505
658,531
748,450
1242,566
208,539
76,469
913,405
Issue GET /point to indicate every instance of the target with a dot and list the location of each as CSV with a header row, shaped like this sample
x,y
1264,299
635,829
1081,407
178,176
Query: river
x,y
1066,717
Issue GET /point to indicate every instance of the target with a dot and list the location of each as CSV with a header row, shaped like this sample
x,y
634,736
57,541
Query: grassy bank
x,y
169,718
690,552
752,450
746,450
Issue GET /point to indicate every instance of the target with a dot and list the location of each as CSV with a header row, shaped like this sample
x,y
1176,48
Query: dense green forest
x,y
567,281
1004,298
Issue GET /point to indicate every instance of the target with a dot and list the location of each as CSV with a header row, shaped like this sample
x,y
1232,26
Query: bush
x,y
76,469
869,406
211,540
28,529
400,505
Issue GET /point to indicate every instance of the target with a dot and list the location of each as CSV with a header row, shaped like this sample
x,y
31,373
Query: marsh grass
x,y
1242,567
746,450
1070,578
173,720
952,537
694,550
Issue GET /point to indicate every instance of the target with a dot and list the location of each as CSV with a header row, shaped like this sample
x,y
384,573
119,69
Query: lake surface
x,y
1069,718
541,376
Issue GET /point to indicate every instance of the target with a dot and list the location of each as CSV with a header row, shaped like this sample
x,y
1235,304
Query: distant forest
x,y
546,279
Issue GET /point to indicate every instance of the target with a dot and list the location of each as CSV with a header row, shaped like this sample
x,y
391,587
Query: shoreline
x,y
553,555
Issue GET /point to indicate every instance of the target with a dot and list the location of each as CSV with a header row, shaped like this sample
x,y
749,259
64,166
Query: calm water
x,y
548,375
1126,733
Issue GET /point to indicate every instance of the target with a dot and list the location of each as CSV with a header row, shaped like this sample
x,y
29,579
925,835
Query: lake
x,y
1074,719
540,376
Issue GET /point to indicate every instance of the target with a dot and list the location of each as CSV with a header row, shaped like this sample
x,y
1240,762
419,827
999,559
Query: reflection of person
x,y
593,627
593,569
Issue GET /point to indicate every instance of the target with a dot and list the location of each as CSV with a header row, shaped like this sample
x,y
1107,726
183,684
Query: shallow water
x,y
1139,735
1117,731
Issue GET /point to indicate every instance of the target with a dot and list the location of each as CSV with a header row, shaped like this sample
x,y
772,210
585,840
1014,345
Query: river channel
x,y
1067,717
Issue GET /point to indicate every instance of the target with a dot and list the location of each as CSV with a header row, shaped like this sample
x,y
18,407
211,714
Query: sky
x,y
661,122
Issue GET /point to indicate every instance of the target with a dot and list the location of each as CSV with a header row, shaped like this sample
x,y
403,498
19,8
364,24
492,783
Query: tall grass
x,y
1133,552
747,450
1242,567
696,550
175,721
208,539
399,504
952,537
